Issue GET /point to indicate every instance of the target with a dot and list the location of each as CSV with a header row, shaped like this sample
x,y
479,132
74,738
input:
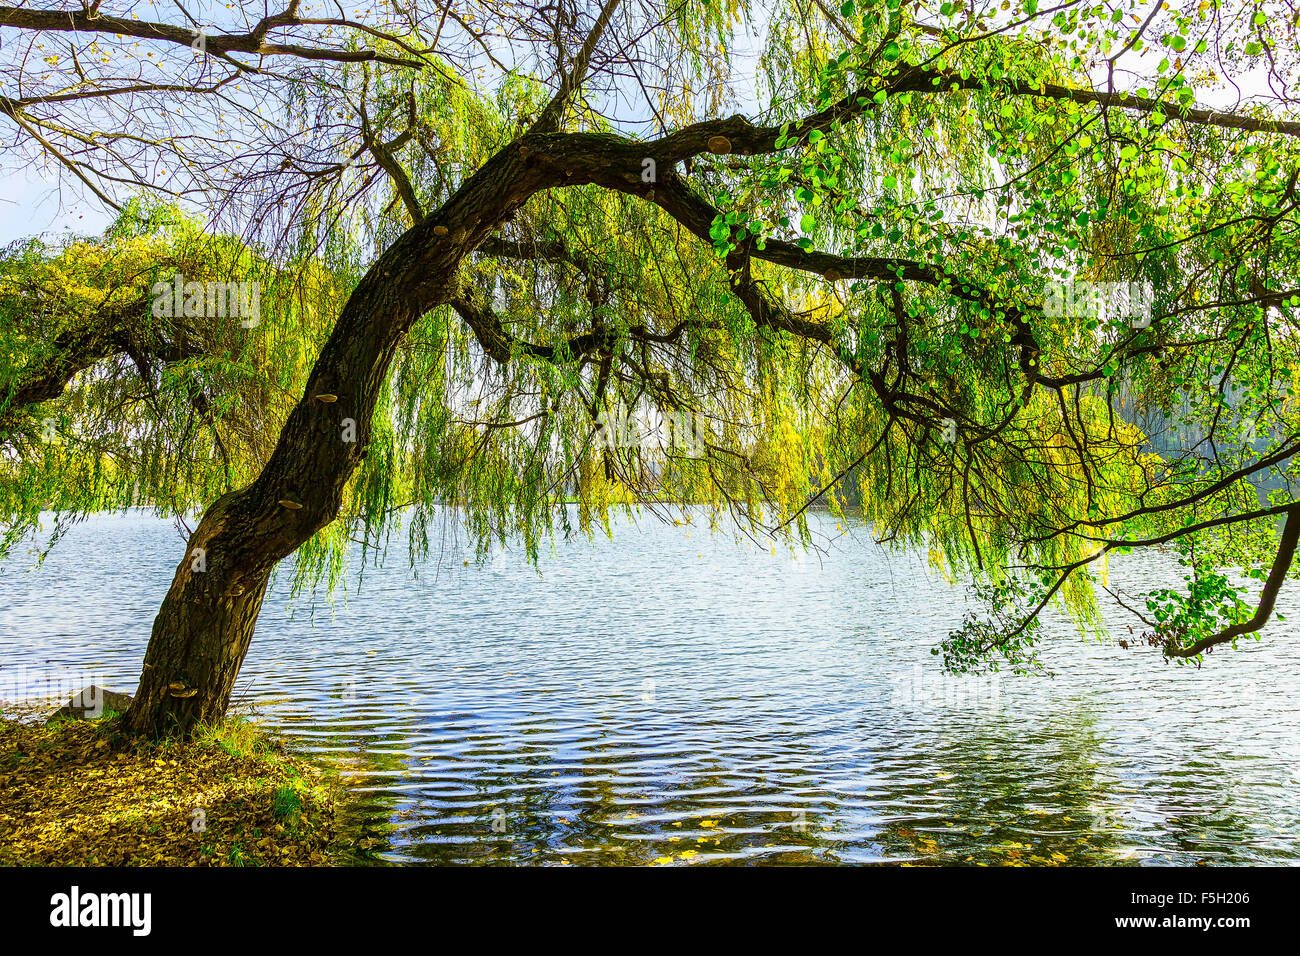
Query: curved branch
x,y
221,44
1267,598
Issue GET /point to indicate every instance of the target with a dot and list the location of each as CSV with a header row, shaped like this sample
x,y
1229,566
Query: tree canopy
x,y
813,254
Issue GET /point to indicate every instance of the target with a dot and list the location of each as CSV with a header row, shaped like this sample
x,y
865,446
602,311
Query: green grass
x,y
238,738
287,804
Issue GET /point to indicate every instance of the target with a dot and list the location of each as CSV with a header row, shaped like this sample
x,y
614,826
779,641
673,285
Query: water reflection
x,y
675,698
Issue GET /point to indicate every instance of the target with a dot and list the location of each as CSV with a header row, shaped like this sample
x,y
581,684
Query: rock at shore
x,y
91,703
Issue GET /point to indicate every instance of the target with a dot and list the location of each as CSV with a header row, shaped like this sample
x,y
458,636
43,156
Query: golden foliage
x,y
76,793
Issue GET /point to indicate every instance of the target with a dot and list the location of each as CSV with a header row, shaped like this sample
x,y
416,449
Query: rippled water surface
x,y
675,696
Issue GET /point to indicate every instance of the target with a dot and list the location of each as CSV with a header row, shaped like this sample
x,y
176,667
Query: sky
x,y
31,204
33,201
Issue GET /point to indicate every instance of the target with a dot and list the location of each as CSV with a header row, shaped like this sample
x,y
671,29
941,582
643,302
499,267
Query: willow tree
x,y
535,219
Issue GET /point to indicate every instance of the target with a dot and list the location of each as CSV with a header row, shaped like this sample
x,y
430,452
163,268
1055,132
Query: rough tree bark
x,y
203,629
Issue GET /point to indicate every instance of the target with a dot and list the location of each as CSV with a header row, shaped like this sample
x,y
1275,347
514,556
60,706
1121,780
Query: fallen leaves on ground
x,y
79,793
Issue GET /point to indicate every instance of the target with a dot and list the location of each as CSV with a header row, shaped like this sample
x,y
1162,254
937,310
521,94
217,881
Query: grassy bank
x,y
78,792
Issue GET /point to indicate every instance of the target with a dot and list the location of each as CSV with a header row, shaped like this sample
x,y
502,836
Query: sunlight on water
x,y
676,696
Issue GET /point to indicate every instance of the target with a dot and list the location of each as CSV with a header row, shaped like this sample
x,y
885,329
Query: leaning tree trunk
x,y
203,629
206,622
200,640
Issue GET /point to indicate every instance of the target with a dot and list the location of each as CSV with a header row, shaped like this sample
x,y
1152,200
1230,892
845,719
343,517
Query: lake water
x,y
673,695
